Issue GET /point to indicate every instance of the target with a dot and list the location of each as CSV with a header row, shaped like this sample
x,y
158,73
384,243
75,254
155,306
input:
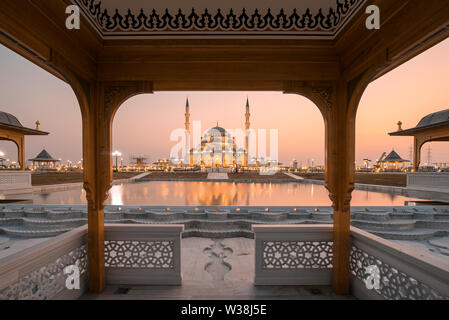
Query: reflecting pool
x,y
219,193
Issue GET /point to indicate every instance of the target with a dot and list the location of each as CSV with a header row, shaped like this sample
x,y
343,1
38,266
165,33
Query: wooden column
x,y
104,100
97,159
417,145
21,152
339,159
338,110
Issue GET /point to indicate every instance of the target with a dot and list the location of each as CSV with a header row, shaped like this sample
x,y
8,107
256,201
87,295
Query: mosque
x,y
218,147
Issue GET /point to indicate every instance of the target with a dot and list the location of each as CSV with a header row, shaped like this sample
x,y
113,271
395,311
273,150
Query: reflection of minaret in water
x,y
247,125
187,128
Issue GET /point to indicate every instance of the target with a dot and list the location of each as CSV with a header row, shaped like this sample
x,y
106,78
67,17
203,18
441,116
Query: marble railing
x,y
436,181
143,254
293,254
380,269
395,272
134,254
15,181
284,255
38,271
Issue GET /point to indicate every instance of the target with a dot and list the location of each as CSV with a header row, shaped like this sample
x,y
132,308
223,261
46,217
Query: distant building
x,y
44,161
294,164
139,162
433,127
162,164
218,147
11,129
392,161
441,164
366,163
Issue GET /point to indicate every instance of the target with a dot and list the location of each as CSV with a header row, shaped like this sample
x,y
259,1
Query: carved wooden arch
x,y
19,141
84,90
116,93
320,93
347,100
418,143
356,88
80,86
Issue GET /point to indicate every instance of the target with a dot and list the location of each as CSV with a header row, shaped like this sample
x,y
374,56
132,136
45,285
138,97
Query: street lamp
x,y
116,154
2,154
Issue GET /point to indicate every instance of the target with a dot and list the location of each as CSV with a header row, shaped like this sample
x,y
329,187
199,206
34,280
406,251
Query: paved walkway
x,y
294,176
206,277
217,176
140,176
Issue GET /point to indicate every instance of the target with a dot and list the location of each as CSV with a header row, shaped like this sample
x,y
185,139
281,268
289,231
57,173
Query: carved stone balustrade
x,y
380,269
143,254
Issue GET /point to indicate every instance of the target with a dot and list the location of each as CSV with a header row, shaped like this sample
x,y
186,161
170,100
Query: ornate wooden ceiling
x,y
232,18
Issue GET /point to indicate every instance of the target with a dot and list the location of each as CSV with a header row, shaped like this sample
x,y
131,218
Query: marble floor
x,y
217,270
437,248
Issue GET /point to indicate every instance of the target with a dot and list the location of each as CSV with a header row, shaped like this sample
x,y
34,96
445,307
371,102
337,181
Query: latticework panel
x,y
393,283
139,254
13,179
48,280
296,254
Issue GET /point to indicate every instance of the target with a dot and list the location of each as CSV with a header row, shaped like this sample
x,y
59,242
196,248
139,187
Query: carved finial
x,y
38,125
399,126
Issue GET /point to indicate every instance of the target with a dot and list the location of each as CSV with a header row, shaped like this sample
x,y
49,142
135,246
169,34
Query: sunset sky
x,y
143,124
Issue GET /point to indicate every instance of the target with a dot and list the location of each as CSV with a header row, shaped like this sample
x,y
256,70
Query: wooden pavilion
x,y
44,160
12,130
392,161
433,127
320,49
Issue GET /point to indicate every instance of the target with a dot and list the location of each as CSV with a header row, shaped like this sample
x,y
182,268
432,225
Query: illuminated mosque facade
x,y
218,147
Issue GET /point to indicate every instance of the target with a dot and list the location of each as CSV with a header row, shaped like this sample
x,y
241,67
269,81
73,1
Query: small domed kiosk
x,y
11,129
433,127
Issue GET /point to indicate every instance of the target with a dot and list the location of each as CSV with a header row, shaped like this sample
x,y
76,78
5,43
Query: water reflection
x,y
115,195
219,193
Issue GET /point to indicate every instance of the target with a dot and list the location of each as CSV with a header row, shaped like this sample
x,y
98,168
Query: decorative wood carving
x,y
325,93
296,21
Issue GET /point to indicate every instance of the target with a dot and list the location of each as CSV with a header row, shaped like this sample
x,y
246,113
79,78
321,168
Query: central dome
x,y
216,132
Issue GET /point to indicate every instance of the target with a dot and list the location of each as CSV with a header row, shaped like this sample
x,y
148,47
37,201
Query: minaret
x,y
187,141
187,115
247,114
247,125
